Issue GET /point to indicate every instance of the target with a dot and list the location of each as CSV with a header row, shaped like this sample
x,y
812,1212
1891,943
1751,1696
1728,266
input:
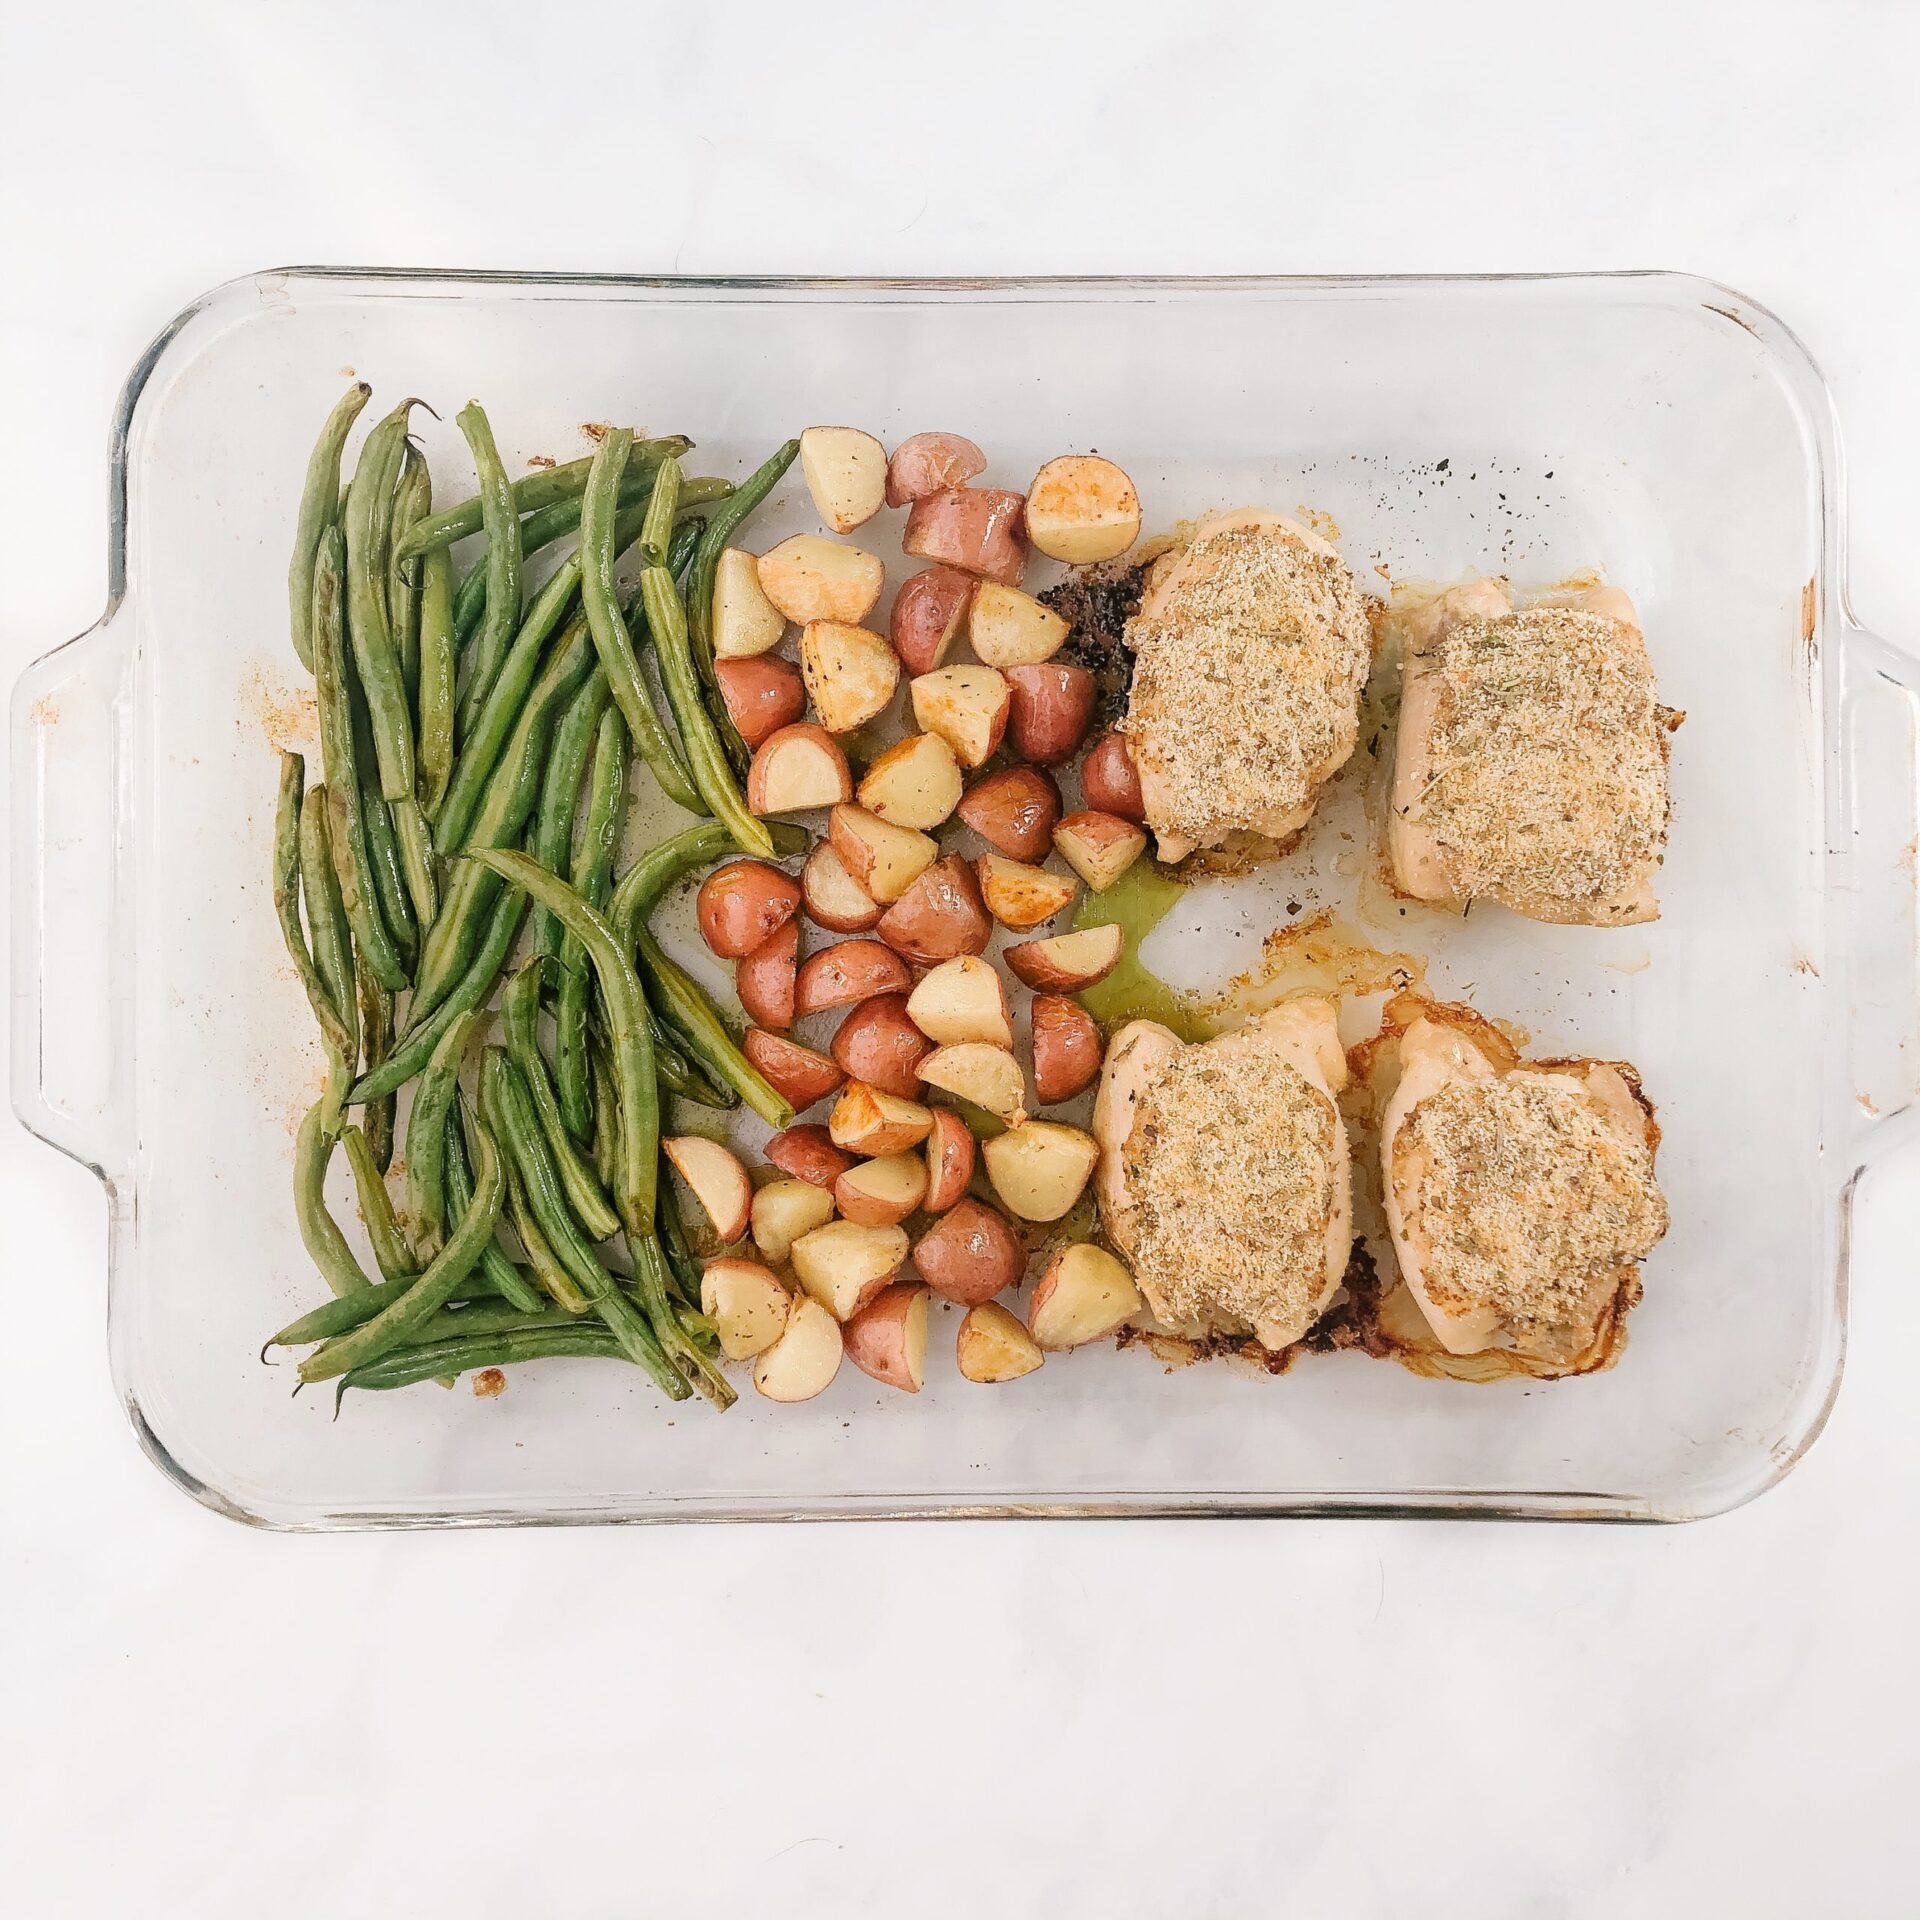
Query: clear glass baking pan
x,y
1658,427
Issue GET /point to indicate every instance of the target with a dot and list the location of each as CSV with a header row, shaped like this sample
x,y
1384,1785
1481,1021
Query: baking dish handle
x,y
72,714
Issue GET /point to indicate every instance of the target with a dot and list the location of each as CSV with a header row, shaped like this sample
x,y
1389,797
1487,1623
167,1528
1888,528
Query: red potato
x,y
1081,508
850,673
993,1346
742,904
796,1073
1068,962
1013,811
1109,779
881,1193
1008,628
950,1156
1040,1169
962,999
1084,1295
939,916
970,1253
977,529
810,578
847,971
887,1338
783,1210
926,463
745,622
717,1180
807,1153
747,1305
915,783
843,1264
1020,896
797,769
877,1043
846,473
1051,706
764,980
886,860
929,615
803,1361
1099,847
1066,1048
968,707
761,696
988,1077
867,1121
834,898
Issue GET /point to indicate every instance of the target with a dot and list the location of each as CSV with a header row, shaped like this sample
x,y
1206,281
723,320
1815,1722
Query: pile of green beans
x,y
480,730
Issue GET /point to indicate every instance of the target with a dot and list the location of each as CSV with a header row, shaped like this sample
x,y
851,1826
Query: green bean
x,y
389,875
326,1245
547,487
672,1230
683,546
346,810
509,798
376,1044
495,1268
694,1364
680,1075
391,1253
407,1366
435,1286
347,1311
437,664
412,501
592,878
667,620
547,1265
501,520
632,1045
722,525
644,884
386,1076
327,915
319,505
489,1316
552,841
433,1101
606,1117
520,1009
684,1004
286,904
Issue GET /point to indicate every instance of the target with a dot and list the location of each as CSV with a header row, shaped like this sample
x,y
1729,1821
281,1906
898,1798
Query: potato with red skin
x,y
762,695
847,971
1014,811
715,1178
885,859
1052,705
843,1264
929,615
977,529
939,916
887,1338
882,1192
807,1152
1021,896
743,903
1066,1048
1068,962
764,978
879,1044
970,1253
1109,779
796,1073
925,463
866,1121
796,769
834,898
950,1157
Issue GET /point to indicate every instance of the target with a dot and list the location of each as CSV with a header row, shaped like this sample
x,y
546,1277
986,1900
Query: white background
x,y
1109,1720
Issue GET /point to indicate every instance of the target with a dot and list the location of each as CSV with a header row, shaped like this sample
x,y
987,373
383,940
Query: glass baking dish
x,y
1656,426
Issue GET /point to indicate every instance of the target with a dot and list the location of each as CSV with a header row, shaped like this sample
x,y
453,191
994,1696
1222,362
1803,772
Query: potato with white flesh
x,y
1066,1048
977,529
803,1361
960,1000
796,769
798,1074
1085,1294
882,1192
850,673
970,1253
1067,962
925,463
950,1156
939,916
761,696
846,473
1081,508
884,859
1040,1169
1020,896
887,1338
745,622
915,783
1008,628
865,1120
966,706
989,1077
1014,811
847,971
994,1346
747,1305
843,1264
811,578
784,1210
717,1180
1099,847
929,615
834,898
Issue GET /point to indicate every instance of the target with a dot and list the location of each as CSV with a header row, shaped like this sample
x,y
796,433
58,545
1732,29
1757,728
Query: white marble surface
x,y
926,1720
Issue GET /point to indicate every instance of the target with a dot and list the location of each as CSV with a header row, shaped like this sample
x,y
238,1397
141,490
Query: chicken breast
x,y
1251,646
1224,1174
1520,1199
1530,763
